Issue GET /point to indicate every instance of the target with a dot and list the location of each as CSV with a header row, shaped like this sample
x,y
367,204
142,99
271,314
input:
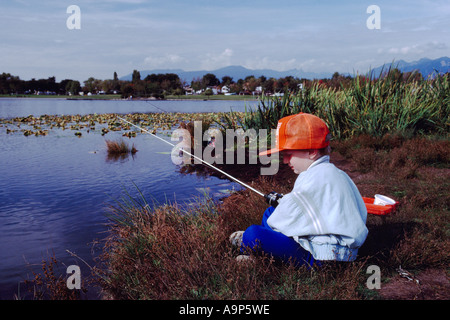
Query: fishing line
x,y
195,157
154,106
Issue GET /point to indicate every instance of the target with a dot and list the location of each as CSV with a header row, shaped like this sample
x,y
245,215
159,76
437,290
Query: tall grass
x,y
368,106
119,147
119,150
170,252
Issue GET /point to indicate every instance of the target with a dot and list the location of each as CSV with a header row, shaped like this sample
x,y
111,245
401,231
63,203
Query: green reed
x,y
368,106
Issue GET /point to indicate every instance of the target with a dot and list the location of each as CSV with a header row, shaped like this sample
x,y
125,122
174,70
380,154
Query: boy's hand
x,y
272,198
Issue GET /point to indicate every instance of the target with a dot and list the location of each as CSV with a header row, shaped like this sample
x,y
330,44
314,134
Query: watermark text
x,y
238,146
374,281
73,22
74,280
374,20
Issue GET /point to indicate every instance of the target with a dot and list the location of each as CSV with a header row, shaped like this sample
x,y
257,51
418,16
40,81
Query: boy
x,y
324,217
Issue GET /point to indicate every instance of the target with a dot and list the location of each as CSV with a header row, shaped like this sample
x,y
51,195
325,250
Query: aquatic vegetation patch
x,y
119,148
105,123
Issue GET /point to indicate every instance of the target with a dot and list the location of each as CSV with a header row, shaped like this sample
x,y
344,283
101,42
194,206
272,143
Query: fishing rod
x,y
272,197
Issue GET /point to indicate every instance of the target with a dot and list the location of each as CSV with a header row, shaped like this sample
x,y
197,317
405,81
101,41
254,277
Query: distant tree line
x,y
153,85
161,85
10,84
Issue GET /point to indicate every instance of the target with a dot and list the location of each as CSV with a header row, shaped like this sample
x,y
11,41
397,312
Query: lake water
x,y
23,107
55,190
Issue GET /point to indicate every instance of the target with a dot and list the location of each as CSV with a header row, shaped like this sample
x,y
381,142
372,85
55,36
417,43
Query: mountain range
x,y
425,66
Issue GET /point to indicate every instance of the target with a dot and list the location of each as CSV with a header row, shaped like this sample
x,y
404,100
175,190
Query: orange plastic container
x,y
377,209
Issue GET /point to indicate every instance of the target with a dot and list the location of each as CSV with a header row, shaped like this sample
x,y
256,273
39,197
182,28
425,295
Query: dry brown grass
x,y
119,150
171,254
119,147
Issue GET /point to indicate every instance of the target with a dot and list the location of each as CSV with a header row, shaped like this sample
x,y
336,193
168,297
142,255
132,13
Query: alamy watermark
x,y
236,146
73,22
74,280
374,281
374,20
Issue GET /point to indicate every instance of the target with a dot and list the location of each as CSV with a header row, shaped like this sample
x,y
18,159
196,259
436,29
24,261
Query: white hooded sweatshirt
x,y
324,213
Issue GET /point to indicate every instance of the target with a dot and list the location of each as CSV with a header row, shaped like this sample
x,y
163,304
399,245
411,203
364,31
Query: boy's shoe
x,y
244,258
236,238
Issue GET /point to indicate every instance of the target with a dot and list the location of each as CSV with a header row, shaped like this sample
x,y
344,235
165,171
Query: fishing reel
x,y
272,198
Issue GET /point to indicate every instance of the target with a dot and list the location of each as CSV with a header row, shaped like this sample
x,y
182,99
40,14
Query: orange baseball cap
x,y
301,131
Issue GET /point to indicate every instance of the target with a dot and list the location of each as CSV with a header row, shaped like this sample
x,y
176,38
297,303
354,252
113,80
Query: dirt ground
x,y
431,284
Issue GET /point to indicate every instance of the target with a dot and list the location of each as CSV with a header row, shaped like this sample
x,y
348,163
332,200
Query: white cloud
x,y
269,63
418,48
402,50
213,61
165,61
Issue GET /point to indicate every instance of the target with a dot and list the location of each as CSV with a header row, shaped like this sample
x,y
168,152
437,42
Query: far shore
x,y
118,97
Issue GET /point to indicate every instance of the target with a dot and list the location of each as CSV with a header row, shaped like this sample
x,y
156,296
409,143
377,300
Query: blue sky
x,y
123,35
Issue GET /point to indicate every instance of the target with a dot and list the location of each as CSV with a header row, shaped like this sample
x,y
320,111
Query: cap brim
x,y
270,151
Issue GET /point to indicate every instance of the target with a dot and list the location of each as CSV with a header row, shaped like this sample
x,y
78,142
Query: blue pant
x,y
283,248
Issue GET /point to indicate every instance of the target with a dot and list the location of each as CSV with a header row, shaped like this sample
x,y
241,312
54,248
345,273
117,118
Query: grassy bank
x,y
177,253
